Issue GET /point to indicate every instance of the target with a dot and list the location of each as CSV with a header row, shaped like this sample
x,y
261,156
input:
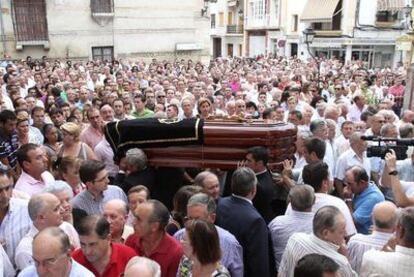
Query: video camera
x,y
400,147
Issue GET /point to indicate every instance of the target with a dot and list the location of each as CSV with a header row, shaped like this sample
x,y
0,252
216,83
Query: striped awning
x,y
319,10
390,5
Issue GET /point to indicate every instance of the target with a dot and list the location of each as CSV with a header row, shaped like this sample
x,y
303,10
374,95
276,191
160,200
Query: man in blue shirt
x,y
361,196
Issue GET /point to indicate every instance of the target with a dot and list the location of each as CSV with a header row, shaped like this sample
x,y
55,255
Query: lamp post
x,y
409,20
309,34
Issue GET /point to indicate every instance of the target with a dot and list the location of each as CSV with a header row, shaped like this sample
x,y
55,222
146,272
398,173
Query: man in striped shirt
x,y
384,218
328,239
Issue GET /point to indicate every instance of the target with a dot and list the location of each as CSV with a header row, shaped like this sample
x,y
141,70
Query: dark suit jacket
x,y
264,196
242,220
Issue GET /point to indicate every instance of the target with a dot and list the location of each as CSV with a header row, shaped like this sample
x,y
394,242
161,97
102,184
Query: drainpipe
x,y
3,36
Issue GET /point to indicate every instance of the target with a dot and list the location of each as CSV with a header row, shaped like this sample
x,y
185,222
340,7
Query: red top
x,y
167,254
120,256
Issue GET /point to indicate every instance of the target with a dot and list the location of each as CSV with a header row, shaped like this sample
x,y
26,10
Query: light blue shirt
x,y
15,225
232,252
87,202
77,270
363,205
406,170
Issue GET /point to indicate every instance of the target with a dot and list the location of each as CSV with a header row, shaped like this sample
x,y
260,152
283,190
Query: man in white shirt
x,y
316,174
45,211
319,129
384,218
342,142
355,111
55,259
354,156
399,263
300,220
327,239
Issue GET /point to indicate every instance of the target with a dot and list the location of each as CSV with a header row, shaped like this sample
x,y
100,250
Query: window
x,y
230,18
257,9
294,23
102,6
276,7
29,20
221,19
386,16
213,21
103,53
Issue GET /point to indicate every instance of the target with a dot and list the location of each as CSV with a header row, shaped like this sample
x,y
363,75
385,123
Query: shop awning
x,y
319,10
390,5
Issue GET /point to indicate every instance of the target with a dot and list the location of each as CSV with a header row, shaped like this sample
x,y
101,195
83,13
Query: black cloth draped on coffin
x,y
152,132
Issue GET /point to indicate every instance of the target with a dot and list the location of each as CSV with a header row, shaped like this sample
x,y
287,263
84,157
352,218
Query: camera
x,y
400,146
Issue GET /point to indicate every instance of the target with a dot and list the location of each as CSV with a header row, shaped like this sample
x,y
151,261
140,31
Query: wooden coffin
x,y
223,144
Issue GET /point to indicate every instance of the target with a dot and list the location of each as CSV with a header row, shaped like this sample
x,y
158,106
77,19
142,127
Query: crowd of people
x,y
70,206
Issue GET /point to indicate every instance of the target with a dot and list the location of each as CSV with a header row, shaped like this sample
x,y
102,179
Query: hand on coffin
x,y
242,163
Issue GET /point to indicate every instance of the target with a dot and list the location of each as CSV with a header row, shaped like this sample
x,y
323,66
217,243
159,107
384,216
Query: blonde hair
x,y
71,128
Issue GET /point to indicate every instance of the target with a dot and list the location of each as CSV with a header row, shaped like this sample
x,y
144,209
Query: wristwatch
x,y
394,173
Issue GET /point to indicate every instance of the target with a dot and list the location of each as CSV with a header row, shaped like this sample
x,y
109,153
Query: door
x,y
293,49
216,47
230,50
257,45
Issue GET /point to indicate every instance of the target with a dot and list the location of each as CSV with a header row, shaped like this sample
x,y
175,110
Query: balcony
x,y
258,22
234,29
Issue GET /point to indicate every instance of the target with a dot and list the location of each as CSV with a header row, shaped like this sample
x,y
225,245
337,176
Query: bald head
x,y
118,205
142,266
385,216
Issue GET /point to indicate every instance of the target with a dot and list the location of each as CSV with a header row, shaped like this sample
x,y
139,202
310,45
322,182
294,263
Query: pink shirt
x,y
91,136
29,185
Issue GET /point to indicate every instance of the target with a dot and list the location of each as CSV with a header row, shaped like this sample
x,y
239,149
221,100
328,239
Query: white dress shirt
x,y
322,200
349,159
388,264
283,227
354,113
359,244
341,145
6,267
300,245
23,257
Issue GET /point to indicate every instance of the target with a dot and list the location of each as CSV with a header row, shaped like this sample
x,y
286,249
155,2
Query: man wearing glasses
x,y
55,259
98,191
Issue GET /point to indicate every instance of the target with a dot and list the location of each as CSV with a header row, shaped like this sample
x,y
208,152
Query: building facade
x,y
366,30
227,26
85,29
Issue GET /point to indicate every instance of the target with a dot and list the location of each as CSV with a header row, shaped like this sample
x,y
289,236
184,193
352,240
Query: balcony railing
x,y
234,29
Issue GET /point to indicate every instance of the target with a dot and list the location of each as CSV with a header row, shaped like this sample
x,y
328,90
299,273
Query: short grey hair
x,y
406,130
136,157
386,128
199,179
301,197
243,181
36,204
202,199
325,218
153,266
58,186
